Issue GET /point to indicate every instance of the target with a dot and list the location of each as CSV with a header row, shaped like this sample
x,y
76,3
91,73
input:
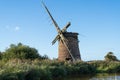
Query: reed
x,y
16,69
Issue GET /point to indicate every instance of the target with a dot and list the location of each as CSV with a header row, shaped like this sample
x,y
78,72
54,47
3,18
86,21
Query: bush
x,y
20,51
0,55
9,76
57,72
110,57
32,75
79,68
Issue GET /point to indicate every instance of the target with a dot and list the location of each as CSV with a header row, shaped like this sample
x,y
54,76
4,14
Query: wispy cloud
x,y
12,28
17,28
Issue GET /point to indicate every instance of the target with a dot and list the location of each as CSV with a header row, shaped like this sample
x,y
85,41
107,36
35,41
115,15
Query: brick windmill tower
x,y
68,48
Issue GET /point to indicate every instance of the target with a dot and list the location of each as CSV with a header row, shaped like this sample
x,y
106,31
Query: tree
x,y
20,51
110,57
45,57
0,55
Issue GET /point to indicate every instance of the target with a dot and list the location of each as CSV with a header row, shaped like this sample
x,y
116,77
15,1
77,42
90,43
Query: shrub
x,y
110,57
20,51
0,55
9,77
32,75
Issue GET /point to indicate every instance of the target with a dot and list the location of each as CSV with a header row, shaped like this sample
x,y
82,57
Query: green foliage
x,y
37,74
9,77
79,68
44,57
110,57
106,66
21,62
57,72
20,51
18,69
0,55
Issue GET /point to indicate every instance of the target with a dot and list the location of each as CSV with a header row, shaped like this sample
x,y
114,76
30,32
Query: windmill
x,y
68,42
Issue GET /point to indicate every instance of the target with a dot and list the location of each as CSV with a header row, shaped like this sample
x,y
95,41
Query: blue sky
x,y
26,21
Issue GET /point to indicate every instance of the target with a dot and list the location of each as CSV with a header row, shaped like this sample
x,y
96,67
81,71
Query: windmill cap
x,y
71,34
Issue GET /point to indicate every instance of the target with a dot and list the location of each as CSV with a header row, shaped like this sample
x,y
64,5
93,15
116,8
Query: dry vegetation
x,y
36,67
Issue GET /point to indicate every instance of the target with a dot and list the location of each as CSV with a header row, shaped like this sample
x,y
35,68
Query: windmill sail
x,y
65,28
60,35
54,22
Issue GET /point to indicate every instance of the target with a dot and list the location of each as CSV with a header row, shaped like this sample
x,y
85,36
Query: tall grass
x,y
106,66
17,69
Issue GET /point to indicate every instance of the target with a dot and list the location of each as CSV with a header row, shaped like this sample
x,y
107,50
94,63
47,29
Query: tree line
x,y
21,51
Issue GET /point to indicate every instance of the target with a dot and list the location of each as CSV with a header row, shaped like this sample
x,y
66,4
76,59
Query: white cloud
x,y
12,28
17,28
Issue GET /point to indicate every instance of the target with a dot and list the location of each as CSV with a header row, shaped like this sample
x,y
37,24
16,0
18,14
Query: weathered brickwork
x,y
72,43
